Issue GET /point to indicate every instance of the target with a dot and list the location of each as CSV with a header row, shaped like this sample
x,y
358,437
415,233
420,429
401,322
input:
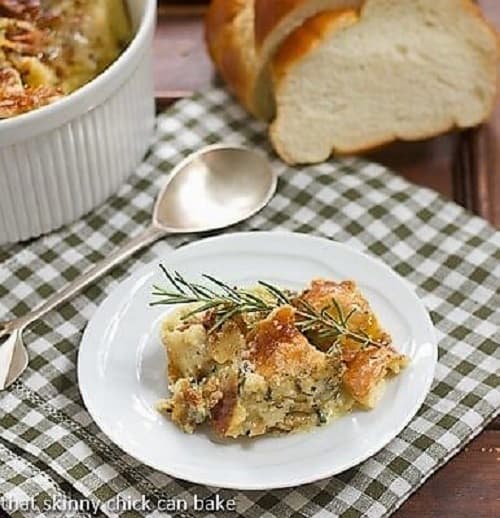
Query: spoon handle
x,y
147,237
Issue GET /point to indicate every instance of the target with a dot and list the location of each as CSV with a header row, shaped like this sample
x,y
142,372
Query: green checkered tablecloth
x,y
51,449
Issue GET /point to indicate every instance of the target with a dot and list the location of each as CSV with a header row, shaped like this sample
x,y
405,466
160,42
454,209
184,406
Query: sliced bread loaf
x,y
346,81
244,35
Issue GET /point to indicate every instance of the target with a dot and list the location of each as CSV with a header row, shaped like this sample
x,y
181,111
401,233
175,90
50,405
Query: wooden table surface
x,y
462,166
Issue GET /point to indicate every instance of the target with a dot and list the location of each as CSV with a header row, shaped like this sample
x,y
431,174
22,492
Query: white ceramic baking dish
x,y
59,162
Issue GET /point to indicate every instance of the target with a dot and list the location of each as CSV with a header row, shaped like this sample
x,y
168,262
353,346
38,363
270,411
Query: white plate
x,y
121,367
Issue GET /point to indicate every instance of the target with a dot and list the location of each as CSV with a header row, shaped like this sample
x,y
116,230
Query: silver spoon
x,y
213,188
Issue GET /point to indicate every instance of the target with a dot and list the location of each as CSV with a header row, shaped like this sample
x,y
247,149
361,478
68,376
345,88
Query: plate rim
x,y
293,482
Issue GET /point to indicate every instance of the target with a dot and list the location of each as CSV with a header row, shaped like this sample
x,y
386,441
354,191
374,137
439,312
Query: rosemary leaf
x,y
278,294
224,318
232,292
340,313
171,278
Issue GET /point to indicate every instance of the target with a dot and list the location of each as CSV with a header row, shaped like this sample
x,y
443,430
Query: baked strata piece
x,y
302,361
49,48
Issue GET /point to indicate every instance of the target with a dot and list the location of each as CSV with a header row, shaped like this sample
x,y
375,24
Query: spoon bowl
x,y
214,188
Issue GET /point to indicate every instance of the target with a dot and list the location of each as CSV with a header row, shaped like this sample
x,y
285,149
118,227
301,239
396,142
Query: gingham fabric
x,y
50,449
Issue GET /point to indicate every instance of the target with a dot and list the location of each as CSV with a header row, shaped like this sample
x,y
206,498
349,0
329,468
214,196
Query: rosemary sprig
x,y
227,302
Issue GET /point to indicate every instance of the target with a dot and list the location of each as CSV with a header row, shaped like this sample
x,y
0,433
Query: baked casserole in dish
x,y
76,107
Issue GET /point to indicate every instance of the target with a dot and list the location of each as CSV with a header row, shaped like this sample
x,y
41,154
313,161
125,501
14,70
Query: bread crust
x,y
312,31
308,36
20,9
269,14
220,15
232,53
370,146
242,56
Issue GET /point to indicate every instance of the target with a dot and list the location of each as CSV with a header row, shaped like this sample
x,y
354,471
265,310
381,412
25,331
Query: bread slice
x,y
274,22
399,69
244,35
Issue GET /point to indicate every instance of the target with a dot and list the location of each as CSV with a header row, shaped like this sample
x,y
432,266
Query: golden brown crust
x,y
20,9
368,147
270,14
10,79
368,369
220,15
376,145
276,345
348,297
270,333
21,37
304,39
232,55
367,366
15,102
